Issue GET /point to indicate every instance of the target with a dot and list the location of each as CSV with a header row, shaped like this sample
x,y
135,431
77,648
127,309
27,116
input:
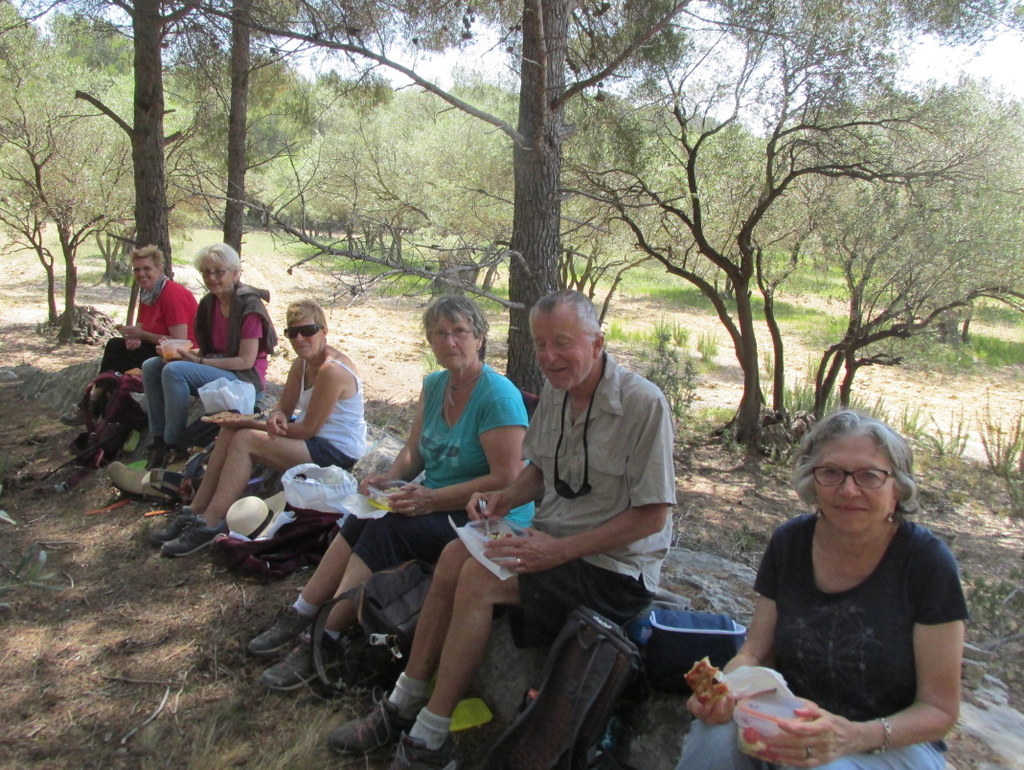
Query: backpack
x,y
296,545
590,665
182,485
111,414
387,609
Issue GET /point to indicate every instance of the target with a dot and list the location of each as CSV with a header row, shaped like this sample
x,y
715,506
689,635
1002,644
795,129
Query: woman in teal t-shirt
x,y
466,437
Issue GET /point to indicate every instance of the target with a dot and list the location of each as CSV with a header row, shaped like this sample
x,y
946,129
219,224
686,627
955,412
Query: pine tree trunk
x,y
148,130
234,208
537,169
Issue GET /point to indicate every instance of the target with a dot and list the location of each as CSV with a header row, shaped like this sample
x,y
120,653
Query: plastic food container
x,y
170,350
758,717
380,495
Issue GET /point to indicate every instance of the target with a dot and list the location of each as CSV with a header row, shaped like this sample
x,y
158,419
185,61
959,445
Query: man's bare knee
x,y
478,585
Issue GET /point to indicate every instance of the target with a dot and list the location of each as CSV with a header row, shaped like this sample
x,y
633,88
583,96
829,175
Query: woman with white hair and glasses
x,y
235,336
860,610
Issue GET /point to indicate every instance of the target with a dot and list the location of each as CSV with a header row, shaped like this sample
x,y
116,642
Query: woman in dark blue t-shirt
x,y
861,612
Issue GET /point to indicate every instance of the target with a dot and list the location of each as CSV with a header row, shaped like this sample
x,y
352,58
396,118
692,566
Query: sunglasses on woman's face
x,y
291,332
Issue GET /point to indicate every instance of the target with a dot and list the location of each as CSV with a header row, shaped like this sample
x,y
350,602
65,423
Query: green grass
x,y
617,333
993,351
680,296
998,314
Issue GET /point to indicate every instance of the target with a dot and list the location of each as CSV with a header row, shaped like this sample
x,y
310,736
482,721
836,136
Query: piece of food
x,y
380,495
220,417
705,681
750,741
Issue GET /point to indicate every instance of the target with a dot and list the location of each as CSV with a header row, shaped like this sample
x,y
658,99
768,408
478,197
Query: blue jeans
x,y
713,747
169,385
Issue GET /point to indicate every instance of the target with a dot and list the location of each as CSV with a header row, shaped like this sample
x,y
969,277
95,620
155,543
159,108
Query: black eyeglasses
x,y
291,332
562,489
866,478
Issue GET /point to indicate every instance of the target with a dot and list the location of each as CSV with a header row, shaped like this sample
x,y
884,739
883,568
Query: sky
x,y
1000,60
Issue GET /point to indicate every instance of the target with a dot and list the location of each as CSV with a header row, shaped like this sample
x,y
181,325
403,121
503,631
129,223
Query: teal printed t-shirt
x,y
453,454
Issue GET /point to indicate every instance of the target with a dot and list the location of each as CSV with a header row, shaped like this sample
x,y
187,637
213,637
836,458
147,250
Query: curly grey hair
x,y
455,308
849,422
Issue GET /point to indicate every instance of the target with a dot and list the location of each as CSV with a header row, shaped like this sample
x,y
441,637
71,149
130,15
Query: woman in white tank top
x,y
323,394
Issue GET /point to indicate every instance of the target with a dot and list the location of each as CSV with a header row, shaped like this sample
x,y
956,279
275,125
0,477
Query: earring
x,y
891,517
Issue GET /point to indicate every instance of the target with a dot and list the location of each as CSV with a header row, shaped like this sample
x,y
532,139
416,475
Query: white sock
x,y
304,608
409,695
334,635
431,729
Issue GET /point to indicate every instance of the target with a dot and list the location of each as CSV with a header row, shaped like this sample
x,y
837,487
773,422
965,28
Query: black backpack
x,y
590,665
387,609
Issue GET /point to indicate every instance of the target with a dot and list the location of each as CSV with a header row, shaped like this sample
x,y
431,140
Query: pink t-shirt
x,y
252,329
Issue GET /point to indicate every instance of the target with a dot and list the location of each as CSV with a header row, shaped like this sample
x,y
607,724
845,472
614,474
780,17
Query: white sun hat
x,y
249,516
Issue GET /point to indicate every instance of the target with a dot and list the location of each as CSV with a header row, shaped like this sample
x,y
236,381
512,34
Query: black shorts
x,y
324,453
392,539
546,599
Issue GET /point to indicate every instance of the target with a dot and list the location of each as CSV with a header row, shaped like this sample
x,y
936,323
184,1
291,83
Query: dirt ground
x,y
138,661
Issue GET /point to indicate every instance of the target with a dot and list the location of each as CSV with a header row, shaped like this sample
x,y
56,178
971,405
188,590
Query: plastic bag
x,y
319,489
224,395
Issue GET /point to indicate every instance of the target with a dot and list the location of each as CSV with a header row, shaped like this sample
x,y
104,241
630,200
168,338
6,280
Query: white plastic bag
x,y
319,489
223,395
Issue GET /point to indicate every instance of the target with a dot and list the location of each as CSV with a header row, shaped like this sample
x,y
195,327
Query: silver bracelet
x,y
886,736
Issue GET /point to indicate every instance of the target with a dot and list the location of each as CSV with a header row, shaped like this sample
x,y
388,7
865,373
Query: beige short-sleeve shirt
x,y
630,441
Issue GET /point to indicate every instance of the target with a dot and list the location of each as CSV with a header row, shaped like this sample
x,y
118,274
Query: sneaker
x,y
285,630
294,671
195,538
379,729
412,754
175,529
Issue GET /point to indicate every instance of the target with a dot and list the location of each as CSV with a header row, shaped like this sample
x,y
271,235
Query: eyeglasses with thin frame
x,y
217,273
562,488
308,330
865,478
459,335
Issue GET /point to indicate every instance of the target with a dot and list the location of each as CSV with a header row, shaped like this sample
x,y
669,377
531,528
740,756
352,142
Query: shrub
x,y
671,371
707,346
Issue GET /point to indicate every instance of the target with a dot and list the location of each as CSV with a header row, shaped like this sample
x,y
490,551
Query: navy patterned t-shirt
x,y
852,652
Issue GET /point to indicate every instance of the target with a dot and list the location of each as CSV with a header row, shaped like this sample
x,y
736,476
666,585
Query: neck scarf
x,y
152,295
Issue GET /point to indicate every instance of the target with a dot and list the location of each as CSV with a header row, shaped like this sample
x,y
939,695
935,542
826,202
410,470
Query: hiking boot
x,y
195,538
299,667
412,754
285,630
155,455
294,671
175,457
377,730
174,529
